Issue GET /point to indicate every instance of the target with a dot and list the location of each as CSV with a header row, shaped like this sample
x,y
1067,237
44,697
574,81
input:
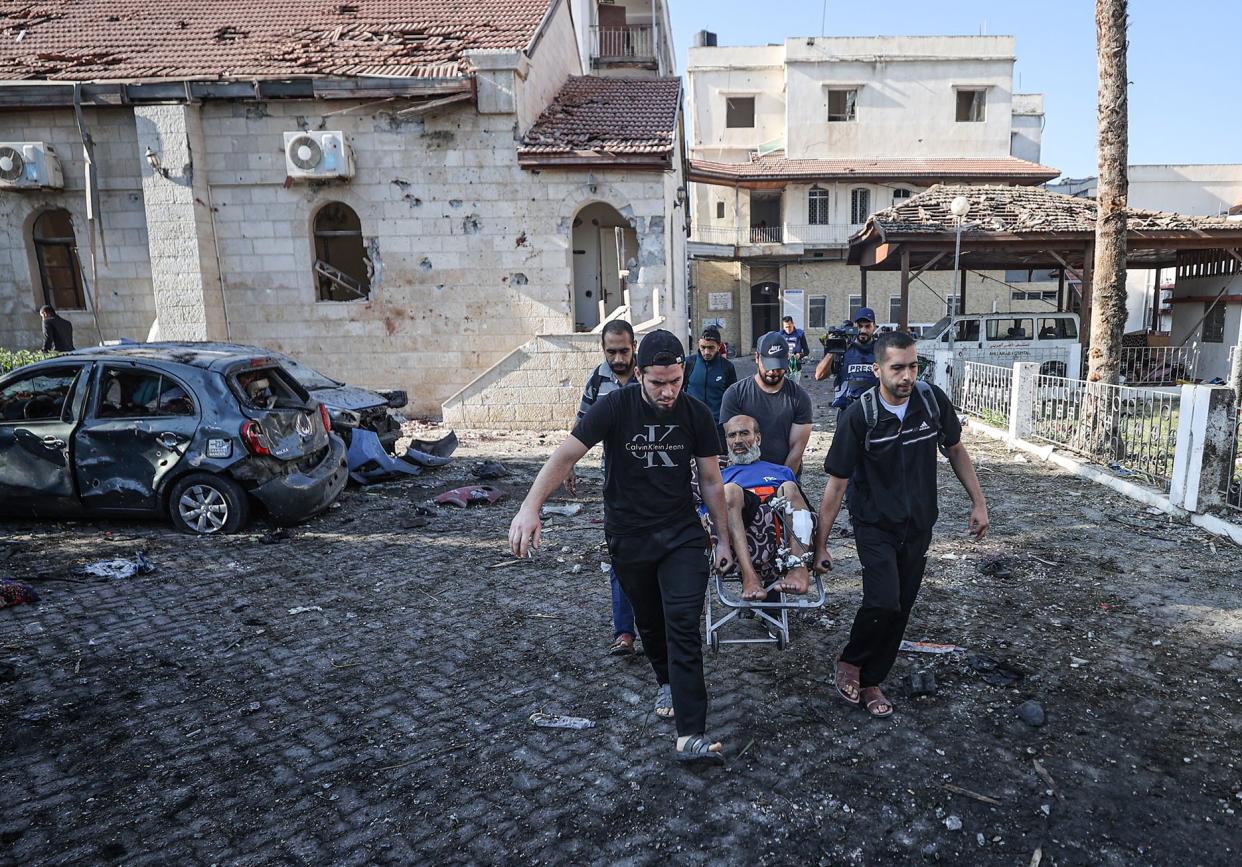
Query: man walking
x,y
652,435
616,371
855,374
709,374
795,339
781,407
887,442
57,332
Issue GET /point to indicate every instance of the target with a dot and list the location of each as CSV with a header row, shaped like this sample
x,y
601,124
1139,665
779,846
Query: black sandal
x,y
699,749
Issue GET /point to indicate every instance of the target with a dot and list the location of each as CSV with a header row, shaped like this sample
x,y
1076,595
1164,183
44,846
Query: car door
x,y
39,410
139,423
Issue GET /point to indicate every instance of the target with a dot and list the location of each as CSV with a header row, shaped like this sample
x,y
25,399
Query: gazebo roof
x,y
1023,227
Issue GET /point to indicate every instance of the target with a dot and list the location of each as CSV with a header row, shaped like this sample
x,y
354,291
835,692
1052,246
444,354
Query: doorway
x,y
765,310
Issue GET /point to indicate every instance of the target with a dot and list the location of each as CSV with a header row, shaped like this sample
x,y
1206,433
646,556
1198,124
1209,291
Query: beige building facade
x,y
792,147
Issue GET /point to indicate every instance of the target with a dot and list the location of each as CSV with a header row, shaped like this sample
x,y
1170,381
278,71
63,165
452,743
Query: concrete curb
x,y
1147,496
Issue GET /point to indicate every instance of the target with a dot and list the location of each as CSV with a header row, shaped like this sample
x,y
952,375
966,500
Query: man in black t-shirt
x,y
652,435
887,442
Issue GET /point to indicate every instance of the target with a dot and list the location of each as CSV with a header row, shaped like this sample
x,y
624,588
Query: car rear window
x,y
269,387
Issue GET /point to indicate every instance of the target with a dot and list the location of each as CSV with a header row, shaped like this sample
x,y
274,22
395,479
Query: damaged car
x,y
199,434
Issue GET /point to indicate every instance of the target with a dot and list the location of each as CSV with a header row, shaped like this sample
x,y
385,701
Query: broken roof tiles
x,y
775,167
1019,210
606,117
89,40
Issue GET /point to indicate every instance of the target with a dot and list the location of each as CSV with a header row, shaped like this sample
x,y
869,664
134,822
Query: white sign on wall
x,y
791,304
719,300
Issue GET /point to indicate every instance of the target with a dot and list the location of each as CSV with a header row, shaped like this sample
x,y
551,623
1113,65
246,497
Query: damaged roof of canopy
x,y
124,40
606,120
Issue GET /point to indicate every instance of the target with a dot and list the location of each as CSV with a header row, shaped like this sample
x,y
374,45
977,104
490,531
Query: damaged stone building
x,y
445,197
793,146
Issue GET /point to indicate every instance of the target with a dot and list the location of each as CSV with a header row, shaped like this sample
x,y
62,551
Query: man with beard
x,y
855,374
652,435
750,486
616,371
709,374
886,443
781,407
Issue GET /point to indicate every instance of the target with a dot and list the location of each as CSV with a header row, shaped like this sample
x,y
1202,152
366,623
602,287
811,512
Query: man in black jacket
x,y
57,332
887,442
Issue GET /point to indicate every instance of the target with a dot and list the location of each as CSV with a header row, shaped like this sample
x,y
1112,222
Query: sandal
x,y
664,702
873,700
623,645
699,749
847,676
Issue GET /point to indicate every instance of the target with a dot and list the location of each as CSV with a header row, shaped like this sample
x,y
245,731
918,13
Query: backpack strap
x,y
931,405
871,413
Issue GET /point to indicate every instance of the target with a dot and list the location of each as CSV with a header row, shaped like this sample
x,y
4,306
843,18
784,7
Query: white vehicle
x,y
1004,338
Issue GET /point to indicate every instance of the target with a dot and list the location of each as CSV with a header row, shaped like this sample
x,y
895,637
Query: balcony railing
x,y
634,42
820,235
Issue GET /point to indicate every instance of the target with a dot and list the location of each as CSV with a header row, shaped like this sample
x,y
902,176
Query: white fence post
x,y
942,371
1022,399
1201,462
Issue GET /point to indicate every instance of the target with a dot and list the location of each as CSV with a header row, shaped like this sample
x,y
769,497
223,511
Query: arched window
x,y
817,206
900,194
342,269
56,251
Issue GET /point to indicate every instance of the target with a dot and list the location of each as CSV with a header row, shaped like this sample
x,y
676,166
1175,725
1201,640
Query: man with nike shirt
x,y
887,442
652,435
781,407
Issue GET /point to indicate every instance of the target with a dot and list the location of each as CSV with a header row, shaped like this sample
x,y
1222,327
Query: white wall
x,y
1213,357
712,75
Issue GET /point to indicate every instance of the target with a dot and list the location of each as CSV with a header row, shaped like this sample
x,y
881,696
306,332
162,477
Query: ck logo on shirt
x,y
649,445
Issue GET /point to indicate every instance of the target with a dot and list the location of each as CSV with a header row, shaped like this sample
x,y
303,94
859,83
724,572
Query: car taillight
x,y
254,438
323,416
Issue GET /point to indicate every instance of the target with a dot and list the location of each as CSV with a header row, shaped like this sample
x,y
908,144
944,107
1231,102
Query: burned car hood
x,y
348,397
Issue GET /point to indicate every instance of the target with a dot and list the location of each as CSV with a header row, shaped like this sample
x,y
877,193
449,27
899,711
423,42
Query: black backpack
x,y
871,409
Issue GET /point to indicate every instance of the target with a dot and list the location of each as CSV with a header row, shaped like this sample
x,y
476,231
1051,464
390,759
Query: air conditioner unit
x,y
318,155
29,165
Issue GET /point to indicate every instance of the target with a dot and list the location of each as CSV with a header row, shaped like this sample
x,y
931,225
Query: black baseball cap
x,y
773,351
660,347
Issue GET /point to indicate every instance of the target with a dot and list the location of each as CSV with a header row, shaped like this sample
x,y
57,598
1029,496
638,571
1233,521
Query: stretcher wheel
x,y
780,641
714,641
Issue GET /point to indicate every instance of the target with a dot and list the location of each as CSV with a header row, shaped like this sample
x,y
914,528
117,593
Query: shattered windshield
x,y
933,331
309,378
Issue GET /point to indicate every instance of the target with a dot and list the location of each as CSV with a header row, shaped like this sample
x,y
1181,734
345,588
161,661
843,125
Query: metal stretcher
x,y
773,615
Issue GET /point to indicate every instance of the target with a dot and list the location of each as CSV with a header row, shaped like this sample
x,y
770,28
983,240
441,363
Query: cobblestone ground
x,y
191,716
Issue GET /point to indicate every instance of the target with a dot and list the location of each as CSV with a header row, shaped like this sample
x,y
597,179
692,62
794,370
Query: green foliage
x,y
9,359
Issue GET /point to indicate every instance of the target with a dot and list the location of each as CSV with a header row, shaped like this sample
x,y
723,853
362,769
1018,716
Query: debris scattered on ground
x,y
471,495
567,511
994,671
489,470
922,683
271,537
119,568
997,565
16,593
556,721
1031,713
302,609
953,823
441,448
927,647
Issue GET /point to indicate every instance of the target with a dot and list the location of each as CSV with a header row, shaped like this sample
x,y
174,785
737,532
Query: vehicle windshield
x,y
931,332
309,378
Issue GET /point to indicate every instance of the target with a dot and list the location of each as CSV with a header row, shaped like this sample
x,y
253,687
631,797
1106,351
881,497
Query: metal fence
x,y
984,391
1133,430
1159,365
632,42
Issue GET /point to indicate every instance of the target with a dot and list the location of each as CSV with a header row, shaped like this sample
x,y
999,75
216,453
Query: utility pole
x,y
1108,302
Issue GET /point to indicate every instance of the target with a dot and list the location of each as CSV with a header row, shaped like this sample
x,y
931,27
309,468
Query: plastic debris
x,y
489,470
302,609
568,510
471,495
120,568
953,823
16,593
557,721
927,647
994,671
440,448
1031,713
922,683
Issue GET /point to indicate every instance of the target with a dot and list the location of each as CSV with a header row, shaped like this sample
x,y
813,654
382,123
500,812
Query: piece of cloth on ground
x,y
16,593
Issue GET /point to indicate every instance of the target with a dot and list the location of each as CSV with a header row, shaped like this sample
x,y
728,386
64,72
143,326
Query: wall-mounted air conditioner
x,y
29,165
318,155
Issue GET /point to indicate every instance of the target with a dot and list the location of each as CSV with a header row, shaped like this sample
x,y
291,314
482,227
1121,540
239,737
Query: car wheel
x,y
208,505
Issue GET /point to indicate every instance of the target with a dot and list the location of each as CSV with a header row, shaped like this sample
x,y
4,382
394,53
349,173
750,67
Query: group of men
x,y
665,419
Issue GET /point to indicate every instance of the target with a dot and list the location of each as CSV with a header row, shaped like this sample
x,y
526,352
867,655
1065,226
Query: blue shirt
x,y
760,474
708,380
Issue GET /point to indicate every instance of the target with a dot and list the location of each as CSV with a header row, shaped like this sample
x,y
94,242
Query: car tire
x,y
205,504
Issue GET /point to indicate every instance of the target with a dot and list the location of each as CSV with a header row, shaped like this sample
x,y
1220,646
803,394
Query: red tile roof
x,y
597,119
90,40
775,167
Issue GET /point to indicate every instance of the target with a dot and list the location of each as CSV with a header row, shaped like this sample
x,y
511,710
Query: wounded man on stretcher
x,y
761,497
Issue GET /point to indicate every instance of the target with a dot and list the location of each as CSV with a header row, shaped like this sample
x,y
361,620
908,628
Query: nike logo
x,y
774,350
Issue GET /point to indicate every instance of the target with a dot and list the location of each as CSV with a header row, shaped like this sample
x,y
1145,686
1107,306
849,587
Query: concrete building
x,y
440,197
792,147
